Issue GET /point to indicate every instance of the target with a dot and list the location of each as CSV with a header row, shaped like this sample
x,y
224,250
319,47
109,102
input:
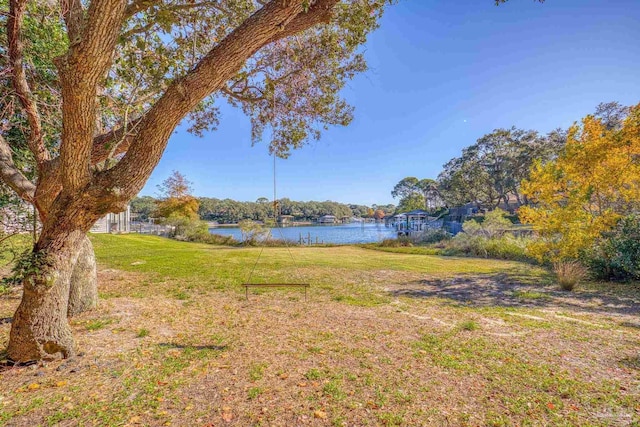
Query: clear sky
x,y
442,74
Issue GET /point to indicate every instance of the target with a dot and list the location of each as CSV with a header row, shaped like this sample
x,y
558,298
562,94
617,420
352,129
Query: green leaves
x,y
291,88
28,267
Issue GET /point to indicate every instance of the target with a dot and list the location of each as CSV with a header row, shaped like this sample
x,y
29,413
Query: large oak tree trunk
x,y
40,329
83,293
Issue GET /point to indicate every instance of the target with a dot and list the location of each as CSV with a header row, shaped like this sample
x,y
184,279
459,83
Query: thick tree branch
x,y
91,55
240,95
73,15
142,5
81,70
113,143
12,176
138,6
212,72
138,30
319,12
15,48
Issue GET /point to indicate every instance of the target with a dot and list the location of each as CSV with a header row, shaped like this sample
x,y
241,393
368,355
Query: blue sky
x,y
442,74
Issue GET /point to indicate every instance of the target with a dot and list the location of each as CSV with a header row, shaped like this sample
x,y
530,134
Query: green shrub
x,y
469,325
616,255
402,241
27,266
216,239
198,231
253,233
504,247
493,224
426,238
277,243
432,236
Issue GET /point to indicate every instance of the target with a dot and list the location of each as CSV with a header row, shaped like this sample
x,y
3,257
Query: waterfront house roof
x,y
417,212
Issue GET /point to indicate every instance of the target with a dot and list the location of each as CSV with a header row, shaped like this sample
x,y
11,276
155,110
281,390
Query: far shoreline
x,y
211,224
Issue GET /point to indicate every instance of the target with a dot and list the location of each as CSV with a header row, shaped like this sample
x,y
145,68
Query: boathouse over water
x,y
414,221
327,219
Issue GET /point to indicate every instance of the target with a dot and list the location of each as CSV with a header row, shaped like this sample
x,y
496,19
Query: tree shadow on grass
x,y
14,293
173,345
7,364
635,325
516,290
631,362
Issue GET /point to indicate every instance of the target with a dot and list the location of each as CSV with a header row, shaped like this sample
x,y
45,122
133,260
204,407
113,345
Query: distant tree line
x,y
230,211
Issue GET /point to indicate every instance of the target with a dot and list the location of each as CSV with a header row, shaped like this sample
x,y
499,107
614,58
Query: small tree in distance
x,y
176,199
177,206
252,231
415,194
495,223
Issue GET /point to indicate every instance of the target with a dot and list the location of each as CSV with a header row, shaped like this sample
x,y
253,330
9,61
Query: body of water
x,y
337,234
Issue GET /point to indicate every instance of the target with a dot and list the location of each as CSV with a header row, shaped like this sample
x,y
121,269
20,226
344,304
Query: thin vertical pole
x,y
35,224
275,196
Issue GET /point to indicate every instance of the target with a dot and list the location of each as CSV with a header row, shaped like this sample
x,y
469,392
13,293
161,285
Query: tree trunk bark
x,y
83,294
40,329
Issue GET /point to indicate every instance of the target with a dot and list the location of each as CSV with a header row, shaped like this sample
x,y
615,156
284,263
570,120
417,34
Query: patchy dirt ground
x,y
375,347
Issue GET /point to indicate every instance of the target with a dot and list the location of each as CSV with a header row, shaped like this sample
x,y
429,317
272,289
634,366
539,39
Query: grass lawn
x,y
385,338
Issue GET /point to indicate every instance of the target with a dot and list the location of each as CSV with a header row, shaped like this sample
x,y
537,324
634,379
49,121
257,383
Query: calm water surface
x,y
339,234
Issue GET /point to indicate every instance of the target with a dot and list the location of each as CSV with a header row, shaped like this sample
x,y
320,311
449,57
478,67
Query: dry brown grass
x,y
569,274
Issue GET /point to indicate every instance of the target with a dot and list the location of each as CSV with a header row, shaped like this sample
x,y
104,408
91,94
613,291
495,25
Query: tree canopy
x,y
417,193
490,171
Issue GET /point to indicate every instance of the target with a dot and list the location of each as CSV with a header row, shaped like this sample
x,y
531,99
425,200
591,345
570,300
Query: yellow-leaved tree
x,y
584,192
177,203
